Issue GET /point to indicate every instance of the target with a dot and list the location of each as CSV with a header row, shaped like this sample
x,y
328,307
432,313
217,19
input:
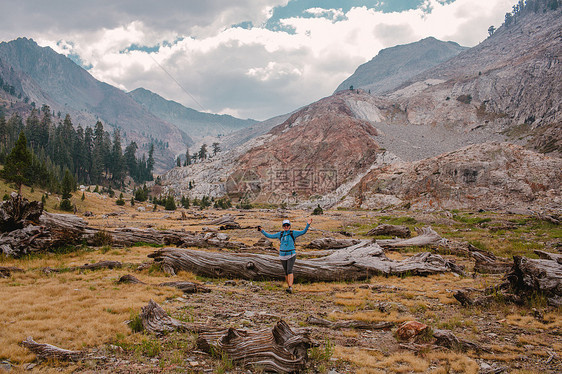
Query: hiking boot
x,y
289,289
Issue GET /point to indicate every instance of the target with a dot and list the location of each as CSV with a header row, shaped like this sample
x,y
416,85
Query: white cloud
x,y
253,72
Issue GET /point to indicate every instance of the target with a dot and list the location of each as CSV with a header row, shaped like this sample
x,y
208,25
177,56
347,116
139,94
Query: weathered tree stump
x,y
17,212
426,237
529,276
279,350
364,325
393,230
50,352
331,243
156,321
360,261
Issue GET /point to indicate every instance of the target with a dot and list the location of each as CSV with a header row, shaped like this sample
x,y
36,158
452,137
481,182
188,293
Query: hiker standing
x,y
287,251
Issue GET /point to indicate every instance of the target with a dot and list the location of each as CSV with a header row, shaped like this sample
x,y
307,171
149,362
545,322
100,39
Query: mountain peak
x,y
395,65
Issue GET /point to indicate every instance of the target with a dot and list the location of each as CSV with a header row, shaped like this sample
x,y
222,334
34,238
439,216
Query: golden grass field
x,y
89,310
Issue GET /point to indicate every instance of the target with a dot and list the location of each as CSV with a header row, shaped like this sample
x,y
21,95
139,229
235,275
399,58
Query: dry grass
x,y
71,309
75,309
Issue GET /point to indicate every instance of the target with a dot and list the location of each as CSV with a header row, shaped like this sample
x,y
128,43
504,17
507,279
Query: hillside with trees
x,y
39,150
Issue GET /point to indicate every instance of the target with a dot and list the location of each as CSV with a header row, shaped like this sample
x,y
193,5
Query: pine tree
x,y
68,185
216,148
117,161
150,163
203,152
18,163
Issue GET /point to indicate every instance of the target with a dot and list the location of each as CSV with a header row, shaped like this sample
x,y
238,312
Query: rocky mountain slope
x,y
393,66
483,176
510,84
438,140
46,77
196,124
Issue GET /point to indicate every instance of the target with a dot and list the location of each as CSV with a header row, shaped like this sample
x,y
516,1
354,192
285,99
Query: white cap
x,y
286,221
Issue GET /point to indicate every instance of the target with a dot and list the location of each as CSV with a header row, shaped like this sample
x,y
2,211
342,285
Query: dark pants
x,y
288,265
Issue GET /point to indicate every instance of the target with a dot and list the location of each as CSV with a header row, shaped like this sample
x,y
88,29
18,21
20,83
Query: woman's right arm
x,y
271,236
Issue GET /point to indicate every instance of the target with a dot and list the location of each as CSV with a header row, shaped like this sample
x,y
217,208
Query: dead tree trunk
x,y
349,324
51,231
156,321
50,352
426,237
331,243
17,212
360,261
6,271
529,276
279,349
393,230
185,287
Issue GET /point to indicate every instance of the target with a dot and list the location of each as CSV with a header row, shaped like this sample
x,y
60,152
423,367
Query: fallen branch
x,y
184,286
96,266
349,324
331,243
6,271
392,230
50,352
426,237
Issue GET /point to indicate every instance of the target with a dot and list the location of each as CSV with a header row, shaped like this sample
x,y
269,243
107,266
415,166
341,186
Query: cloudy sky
x,y
248,58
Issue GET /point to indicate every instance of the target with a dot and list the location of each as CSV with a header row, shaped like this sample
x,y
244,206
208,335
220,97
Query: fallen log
x,y
364,325
17,212
96,266
156,321
548,256
221,220
51,352
446,338
426,237
357,262
529,276
393,230
6,271
184,286
331,243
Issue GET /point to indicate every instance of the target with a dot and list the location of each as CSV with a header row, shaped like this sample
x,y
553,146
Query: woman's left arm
x,y
302,232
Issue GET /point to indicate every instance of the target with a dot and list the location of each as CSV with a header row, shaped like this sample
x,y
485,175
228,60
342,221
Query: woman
x,y
287,252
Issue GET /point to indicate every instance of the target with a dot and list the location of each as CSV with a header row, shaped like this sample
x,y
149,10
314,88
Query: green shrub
x,y
102,238
66,205
318,211
170,203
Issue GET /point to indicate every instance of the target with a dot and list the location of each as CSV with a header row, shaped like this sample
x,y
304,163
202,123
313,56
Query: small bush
x,y
102,238
66,205
465,99
170,203
318,211
135,323
120,201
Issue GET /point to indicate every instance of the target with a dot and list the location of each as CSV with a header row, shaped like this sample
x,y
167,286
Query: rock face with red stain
x,y
488,176
314,151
